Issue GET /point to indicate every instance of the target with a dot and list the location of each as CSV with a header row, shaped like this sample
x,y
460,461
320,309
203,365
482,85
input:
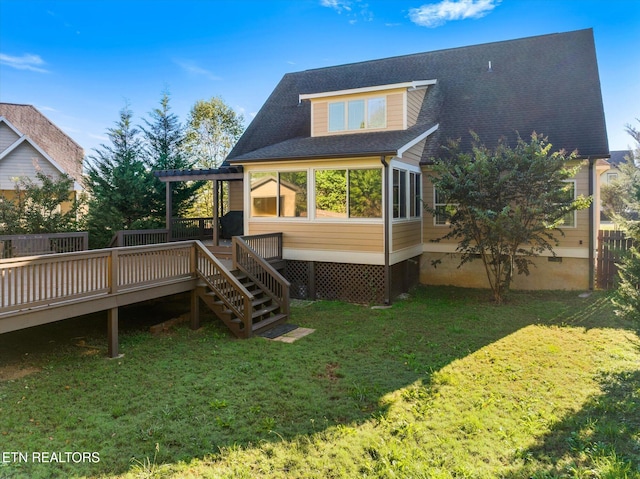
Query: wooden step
x,y
258,301
264,311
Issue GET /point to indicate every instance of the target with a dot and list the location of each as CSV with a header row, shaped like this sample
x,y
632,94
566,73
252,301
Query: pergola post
x,y
215,212
169,209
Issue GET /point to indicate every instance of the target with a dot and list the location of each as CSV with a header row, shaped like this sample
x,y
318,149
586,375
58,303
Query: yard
x,y
443,384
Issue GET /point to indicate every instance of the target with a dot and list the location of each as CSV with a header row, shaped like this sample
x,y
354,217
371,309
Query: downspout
x,y
592,233
387,210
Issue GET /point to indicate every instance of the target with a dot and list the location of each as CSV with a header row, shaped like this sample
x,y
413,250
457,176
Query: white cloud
x,y
194,69
355,9
337,5
25,62
435,14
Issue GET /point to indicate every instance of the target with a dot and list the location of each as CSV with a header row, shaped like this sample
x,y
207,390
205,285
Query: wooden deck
x,y
37,290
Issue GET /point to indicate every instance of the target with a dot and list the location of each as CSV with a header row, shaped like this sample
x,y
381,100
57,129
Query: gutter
x,y
592,233
387,210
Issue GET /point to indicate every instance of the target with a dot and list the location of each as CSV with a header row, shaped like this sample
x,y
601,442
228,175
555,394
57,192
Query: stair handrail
x,y
226,286
261,272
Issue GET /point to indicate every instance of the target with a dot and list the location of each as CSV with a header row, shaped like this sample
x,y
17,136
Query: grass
x,y
443,385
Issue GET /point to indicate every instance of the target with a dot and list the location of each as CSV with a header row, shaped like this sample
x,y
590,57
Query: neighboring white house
x,y
30,143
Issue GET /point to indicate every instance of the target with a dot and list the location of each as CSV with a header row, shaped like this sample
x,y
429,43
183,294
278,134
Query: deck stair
x,y
250,298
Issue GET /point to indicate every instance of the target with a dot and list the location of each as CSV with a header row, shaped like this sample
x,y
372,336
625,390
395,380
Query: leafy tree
x,y
120,185
213,128
164,137
42,205
508,203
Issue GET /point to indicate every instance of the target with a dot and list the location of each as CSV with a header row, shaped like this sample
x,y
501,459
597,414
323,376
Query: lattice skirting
x,y
356,283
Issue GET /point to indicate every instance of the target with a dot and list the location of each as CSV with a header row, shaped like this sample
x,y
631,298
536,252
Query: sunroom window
x,y
279,194
348,193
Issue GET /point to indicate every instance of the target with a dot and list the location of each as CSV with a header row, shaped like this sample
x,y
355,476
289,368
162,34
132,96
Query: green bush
x,y
627,296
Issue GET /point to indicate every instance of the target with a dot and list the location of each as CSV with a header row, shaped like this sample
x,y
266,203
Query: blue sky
x,y
81,61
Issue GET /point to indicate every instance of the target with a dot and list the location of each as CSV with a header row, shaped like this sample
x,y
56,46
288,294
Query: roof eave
x,y
330,156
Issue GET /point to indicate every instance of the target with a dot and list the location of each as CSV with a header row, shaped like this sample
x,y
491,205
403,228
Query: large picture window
x,y
346,193
358,114
279,194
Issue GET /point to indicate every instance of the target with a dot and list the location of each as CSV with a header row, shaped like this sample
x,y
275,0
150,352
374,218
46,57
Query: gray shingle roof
x,y
548,84
618,157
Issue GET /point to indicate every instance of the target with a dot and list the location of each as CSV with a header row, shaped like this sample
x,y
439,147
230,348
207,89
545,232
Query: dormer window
x,y
358,114
360,110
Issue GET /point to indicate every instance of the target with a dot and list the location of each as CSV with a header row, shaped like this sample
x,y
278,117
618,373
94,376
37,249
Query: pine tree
x,y
120,185
164,137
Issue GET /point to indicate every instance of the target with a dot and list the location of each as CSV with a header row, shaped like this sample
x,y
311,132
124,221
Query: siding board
x,y
325,236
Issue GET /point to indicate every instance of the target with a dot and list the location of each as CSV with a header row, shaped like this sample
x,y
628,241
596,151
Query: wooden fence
x,y
612,247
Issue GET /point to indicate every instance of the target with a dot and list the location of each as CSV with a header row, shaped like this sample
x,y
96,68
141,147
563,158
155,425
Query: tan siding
x,y
573,237
325,236
414,154
395,111
7,137
320,113
414,104
23,161
236,196
405,235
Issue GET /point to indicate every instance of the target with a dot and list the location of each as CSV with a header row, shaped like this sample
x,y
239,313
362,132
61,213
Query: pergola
x,y
216,175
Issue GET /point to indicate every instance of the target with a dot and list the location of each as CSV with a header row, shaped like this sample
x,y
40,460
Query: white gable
x,y
8,136
24,161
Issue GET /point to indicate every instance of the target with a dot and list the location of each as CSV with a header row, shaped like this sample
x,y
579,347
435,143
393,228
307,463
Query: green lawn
x,y
442,385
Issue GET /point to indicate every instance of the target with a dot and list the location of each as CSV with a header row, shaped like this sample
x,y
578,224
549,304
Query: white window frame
x,y
574,213
348,218
435,207
277,217
345,104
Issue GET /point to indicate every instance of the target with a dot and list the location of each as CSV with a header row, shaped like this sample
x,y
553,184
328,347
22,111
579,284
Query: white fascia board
x,y
412,85
37,148
417,140
10,125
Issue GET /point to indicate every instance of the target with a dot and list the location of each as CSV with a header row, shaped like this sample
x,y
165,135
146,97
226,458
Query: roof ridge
x,y
463,47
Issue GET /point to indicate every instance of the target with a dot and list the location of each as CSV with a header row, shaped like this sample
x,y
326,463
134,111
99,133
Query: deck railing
x,y
31,282
13,246
191,229
225,285
268,246
138,237
250,262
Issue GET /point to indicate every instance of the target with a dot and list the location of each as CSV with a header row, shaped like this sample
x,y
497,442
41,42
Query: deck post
x,y
112,332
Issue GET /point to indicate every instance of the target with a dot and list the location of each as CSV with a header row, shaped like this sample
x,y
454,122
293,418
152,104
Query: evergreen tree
x,y
120,185
164,137
627,190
